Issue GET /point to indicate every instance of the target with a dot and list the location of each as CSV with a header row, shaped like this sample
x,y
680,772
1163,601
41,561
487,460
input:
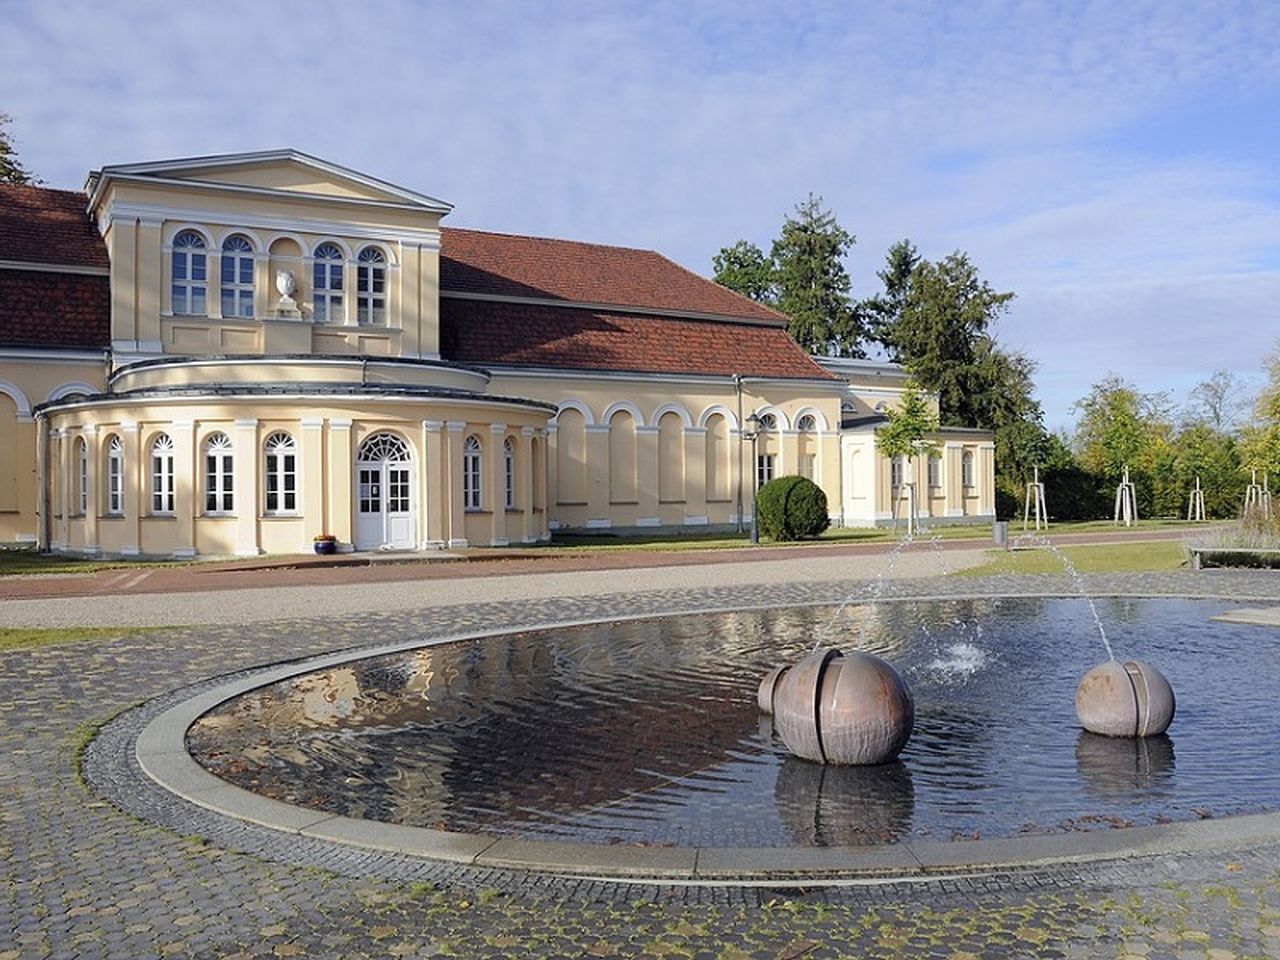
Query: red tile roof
x,y
43,309
492,333
472,261
39,225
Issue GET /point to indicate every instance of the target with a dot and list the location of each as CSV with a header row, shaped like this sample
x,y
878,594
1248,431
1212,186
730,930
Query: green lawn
x,y
26,561
27,638
1154,555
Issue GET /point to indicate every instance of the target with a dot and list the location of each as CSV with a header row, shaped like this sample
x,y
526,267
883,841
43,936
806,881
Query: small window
x,y
807,424
371,287
966,468
509,471
115,477
82,477
219,475
764,468
935,470
162,474
190,275
237,277
327,275
768,422
471,467
895,472
282,474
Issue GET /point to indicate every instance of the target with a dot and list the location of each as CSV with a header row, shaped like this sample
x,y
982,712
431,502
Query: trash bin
x,y
1000,533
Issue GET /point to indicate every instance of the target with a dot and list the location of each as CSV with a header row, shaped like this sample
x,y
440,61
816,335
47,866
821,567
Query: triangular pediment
x,y
284,171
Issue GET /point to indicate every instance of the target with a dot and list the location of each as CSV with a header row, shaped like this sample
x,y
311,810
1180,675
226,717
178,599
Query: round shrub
x,y
791,508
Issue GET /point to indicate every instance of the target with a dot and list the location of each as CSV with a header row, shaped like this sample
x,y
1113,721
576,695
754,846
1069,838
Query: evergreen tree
x,y
813,285
883,310
11,169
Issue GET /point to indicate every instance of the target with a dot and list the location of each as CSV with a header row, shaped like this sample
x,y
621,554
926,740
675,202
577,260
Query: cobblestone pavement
x,y
81,877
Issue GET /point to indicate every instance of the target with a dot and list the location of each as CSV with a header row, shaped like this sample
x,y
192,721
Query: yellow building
x,y
231,355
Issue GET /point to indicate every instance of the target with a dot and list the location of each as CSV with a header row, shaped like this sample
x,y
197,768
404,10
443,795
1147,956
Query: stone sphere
x,y
1129,699
843,708
764,696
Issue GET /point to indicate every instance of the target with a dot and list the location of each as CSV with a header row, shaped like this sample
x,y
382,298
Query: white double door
x,y
384,505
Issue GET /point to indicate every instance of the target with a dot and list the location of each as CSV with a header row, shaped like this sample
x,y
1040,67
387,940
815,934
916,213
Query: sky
x,y
1115,165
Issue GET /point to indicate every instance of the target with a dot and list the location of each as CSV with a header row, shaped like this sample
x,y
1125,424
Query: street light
x,y
753,434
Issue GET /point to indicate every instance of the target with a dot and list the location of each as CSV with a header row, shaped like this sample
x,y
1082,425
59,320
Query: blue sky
x,y
1115,165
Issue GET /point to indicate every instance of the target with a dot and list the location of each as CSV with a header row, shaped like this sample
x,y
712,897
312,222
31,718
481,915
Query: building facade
x,y
233,355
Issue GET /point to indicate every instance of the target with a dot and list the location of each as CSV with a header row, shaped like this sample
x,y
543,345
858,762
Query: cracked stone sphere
x,y
1129,699
843,708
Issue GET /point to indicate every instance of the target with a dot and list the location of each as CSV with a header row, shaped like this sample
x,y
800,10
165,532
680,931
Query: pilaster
x,y
94,472
187,488
497,481
341,467
133,480
247,484
435,502
457,526
312,480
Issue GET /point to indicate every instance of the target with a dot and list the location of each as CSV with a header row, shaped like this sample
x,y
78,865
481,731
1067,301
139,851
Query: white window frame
x,y
237,256
219,475
280,475
897,471
189,275
472,473
82,477
765,468
371,288
162,485
328,283
934,468
115,477
509,471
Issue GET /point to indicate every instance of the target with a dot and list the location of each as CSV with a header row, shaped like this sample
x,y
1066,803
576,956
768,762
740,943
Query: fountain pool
x,y
646,732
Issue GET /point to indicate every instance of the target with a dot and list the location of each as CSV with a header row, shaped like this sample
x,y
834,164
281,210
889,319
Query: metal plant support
x,y
1195,509
1126,501
1034,503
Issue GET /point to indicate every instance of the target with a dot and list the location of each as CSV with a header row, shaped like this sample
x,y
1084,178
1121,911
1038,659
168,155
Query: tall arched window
x,y
807,460
966,468
82,477
115,476
509,471
326,295
237,277
162,474
219,474
471,467
371,287
282,473
190,275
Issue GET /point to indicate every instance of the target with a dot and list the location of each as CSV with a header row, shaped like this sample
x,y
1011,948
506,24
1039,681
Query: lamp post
x,y
753,434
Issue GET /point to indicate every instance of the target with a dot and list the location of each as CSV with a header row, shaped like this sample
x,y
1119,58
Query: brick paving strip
x,y
81,877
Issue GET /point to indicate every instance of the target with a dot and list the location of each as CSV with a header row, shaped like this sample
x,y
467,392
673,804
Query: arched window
x,y
384,446
768,422
82,477
190,275
966,468
807,424
509,471
219,474
237,277
471,473
162,474
371,287
282,473
935,470
327,289
115,476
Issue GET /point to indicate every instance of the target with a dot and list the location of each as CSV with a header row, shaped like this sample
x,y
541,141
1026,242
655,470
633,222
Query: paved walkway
x,y
79,877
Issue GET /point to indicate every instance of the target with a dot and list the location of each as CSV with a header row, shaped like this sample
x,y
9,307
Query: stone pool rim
x,y
160,750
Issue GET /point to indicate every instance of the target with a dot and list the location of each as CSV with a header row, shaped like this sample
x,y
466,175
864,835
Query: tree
x,y
746,269
883,310
813,285
906,434
11,169
941,336
1121,427
1219,402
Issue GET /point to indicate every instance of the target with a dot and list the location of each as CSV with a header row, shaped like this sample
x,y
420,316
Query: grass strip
x,y
1142,557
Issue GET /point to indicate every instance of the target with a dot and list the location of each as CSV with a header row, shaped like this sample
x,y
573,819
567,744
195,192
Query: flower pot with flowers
x,y
325,543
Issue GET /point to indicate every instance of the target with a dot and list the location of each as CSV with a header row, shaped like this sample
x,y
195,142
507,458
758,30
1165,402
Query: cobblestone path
x,y
80,877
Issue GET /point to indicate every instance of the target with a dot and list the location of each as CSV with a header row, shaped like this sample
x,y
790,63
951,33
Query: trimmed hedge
x,y
791,508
